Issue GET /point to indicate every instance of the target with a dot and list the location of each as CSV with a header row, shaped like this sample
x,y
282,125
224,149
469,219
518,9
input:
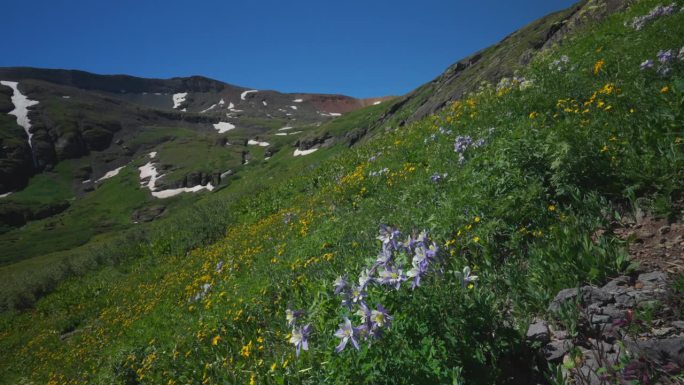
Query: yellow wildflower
x,y
598,65
552,208
477,219
665,90
476,239
274,366
533,114
215,340
604,148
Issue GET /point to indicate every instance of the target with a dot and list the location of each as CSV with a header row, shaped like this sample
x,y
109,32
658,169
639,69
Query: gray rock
x,y
653,279
555,350
661,332
617,284
612,311
600,319
588,295
678,324
661,351
538,331
624,300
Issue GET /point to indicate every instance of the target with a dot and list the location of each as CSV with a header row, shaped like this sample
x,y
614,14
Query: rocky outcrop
x,y
621,330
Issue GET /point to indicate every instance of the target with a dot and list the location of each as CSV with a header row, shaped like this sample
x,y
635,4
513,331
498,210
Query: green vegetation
x,y
539,166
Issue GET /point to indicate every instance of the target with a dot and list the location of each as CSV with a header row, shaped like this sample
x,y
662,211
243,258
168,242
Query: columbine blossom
x,y
365,279
357,294
665,56
380,318
392,276
346,333
462,142
646,64
437,177
466,278
291,316
299,338
659,11
340,284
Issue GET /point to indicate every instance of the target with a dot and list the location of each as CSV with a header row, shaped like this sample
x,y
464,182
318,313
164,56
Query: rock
x,y
660,351
653,279
600,319
664,229
678,324
617,284
555,350
612,311
661,332
589,295
538,332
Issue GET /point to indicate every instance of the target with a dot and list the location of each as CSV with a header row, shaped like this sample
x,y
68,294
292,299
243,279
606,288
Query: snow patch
x,y
66,97
110,174
178,99
86,181
244,94
264,103
5,195
231,105
253,142
293,107
285,128
149,171
297,100
222,102
299,152
281,133
223,127
208,109
21,105
153,154
378,102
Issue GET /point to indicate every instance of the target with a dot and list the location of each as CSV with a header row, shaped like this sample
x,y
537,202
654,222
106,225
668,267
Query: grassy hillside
x,y
510,182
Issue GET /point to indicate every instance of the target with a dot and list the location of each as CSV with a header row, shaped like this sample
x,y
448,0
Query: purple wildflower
x,y
364,279
664,70
364,313
300,338
392,276
385,256
437,177
479,143
462,143
646,64
665,56
291,316
466,278
380,318
358,293
346,333
659,11
340,284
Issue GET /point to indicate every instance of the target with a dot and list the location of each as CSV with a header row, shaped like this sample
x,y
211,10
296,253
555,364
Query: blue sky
x,y
360,48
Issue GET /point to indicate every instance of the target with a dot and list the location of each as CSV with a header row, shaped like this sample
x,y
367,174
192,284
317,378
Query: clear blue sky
x,y
356,47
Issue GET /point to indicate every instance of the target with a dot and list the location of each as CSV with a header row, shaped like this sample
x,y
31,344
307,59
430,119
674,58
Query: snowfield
x,y
223,127
149,171
21,105
253,142
299,152
110,174
178,99
5,195
208,109
297,100
244,94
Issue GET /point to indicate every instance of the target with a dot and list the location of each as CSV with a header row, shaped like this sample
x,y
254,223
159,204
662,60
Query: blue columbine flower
x,y
646,64
300,337
346,333
380,318
340,284
291,316
392,276
358,293
665,56
466,278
